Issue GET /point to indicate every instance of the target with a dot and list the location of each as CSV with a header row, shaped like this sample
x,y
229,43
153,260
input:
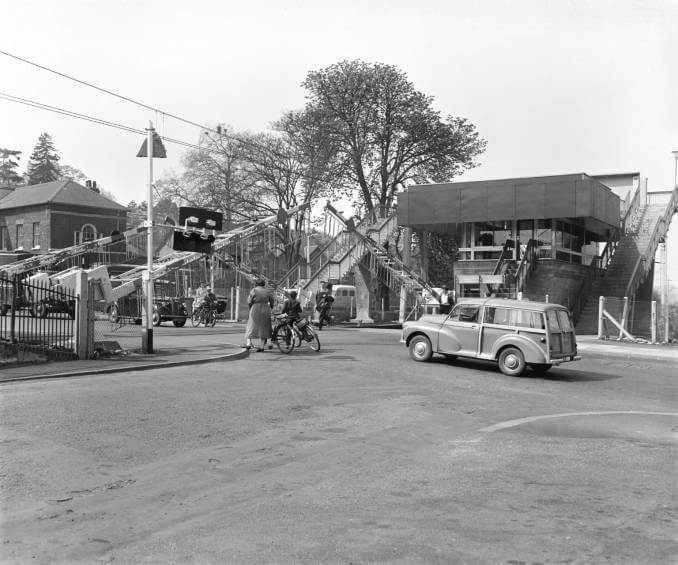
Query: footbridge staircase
x,y
364,243
626,265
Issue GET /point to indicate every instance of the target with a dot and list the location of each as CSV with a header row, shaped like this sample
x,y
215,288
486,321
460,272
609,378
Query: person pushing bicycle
x,y
292,307
324,302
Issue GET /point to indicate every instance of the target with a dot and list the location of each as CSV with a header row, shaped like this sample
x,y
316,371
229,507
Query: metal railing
x,y
528,263
644,261
38,317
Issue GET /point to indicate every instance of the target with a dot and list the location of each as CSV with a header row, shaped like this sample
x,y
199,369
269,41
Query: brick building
x,y
37,218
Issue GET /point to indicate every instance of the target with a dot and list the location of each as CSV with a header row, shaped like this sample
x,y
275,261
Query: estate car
x,y
512,333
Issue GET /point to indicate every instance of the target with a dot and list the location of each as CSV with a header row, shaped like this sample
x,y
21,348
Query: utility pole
x,y
152,147
147,321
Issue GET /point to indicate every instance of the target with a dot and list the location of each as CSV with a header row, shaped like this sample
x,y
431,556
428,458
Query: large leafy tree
x,y
383,132
9,162
43,164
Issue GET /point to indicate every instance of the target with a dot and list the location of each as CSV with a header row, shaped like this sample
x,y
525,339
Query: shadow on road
x,y
554,374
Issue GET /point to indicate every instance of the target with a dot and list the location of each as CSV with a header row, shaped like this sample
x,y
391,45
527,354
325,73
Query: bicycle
x,y
283,334
288,334
204,314
303,331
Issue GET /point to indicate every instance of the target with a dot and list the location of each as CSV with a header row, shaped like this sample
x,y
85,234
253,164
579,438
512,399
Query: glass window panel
x,y
552,319
565,322
465,313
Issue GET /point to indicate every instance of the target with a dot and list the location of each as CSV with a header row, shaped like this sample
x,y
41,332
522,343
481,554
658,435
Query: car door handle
x,y
474,327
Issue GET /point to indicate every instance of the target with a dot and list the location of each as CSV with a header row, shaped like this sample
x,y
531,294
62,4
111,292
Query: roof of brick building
x,y
64,191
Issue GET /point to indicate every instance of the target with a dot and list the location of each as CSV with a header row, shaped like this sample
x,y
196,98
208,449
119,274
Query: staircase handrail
x,y
51,257
380,212
527,264
646,258
504,251
631,210
355,235
606,255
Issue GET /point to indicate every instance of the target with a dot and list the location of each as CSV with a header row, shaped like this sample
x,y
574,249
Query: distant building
x,y
37,218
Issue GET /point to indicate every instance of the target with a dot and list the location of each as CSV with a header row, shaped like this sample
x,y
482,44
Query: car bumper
x,y
567,359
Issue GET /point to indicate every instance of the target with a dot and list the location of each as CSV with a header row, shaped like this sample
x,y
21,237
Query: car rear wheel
x,y
420,348
41,310
511,361
179,322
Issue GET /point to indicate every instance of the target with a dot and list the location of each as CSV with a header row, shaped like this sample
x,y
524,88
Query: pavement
x,y
216,349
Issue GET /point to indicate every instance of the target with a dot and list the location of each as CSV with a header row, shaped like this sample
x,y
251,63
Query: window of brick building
x,y
4,239
36,234
20,235
88,233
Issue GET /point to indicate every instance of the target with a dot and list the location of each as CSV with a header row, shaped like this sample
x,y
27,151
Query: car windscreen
x,y
465,313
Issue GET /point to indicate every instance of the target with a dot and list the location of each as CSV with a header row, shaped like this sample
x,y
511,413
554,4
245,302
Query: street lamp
x,y
151,148
675,169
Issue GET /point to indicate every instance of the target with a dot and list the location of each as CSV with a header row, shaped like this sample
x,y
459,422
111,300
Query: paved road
x,y
352,455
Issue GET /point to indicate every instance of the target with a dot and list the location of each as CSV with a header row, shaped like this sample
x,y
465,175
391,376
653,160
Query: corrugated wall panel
x,y
583,198
501,202
559,198
474,204
530,200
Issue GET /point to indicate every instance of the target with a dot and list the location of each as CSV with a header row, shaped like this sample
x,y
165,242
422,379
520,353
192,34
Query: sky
x,y
555,87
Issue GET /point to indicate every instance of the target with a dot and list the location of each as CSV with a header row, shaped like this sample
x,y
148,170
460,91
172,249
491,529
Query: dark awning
x,y
440,207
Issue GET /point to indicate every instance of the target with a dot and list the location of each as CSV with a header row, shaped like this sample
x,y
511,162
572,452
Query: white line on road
x,y
519,421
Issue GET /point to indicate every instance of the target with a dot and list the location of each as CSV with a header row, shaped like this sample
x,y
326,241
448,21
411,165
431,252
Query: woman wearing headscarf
x,y
260,301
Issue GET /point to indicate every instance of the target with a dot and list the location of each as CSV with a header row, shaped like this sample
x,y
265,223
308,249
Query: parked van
x,y
512,333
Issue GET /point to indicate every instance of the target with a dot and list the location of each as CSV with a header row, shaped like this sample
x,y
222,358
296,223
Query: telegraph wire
x,y
111,93
100,121
93,119
219,131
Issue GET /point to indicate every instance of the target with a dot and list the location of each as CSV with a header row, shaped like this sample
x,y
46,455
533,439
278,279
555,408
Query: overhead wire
x,y
104,90
71,113
219,131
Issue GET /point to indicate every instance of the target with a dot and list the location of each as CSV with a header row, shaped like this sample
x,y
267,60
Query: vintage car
x,y
512,333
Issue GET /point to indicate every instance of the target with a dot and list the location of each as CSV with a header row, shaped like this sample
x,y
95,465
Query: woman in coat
x,y
260,302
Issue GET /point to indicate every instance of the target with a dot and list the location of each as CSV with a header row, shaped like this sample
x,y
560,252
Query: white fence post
x,y
625,314
237,303
601,319
80,334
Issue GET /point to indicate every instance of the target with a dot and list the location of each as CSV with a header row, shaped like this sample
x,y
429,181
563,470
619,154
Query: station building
x,y
503,229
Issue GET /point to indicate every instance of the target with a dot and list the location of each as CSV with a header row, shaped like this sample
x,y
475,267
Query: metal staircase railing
x,y
528,263
347,248
644,261
134,238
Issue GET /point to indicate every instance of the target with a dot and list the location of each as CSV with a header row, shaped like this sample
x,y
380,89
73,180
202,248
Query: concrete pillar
x,y
407,247
424,255
362,298
403,304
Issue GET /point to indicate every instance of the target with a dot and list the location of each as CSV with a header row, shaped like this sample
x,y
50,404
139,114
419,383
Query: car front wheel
x,y
511,361
420,348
